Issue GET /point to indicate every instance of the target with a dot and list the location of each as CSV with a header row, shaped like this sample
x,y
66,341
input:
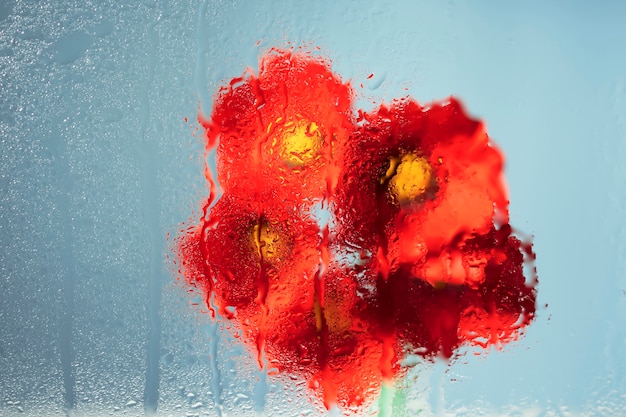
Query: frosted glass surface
x,y
101,161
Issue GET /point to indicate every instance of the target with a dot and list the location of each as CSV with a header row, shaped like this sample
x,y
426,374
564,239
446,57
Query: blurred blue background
x,y
98,166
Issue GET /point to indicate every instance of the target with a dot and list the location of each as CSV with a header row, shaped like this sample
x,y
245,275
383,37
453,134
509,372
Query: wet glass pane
x,y
353,254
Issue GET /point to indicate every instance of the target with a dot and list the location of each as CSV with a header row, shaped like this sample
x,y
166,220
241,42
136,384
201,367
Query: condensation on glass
x,y
102,160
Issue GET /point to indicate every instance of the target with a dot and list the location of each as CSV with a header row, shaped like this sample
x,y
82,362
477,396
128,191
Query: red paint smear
x,y
341,304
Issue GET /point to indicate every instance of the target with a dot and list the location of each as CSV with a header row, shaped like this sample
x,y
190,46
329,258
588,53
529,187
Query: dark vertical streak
x,y
149,163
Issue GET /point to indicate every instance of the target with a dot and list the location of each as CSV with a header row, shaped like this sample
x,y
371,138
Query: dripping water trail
x,y
200,81
330,395
262,279
386,317
216,375
385,282
329,390
63,204
262,282
66,340
149,163
151,212
261,389
203,36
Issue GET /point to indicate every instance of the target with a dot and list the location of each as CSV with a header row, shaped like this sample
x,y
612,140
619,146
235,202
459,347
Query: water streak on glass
x,y
149,162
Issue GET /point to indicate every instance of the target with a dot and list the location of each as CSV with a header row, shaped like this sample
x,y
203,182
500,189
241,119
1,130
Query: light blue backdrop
x,y
98,165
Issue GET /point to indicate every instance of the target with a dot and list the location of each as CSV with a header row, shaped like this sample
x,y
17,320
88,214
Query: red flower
x,y
428,179
280,135
339,246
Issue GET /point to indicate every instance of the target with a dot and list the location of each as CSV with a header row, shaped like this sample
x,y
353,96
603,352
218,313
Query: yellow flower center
x,y
410,177
301,143
268,242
